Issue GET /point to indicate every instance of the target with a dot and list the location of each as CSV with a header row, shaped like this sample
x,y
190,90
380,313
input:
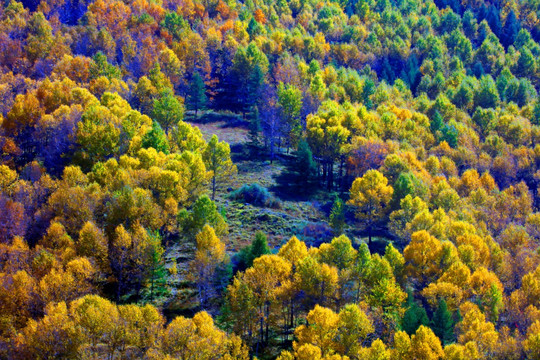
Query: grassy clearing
x,y
303,215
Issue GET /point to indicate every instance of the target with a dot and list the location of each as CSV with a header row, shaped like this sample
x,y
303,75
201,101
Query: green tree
x,y
100,67
463,98
414,316
290,103
204,211
217,158
337,216
487,95
258,247
304,165
442,323
156,272
168,111
535,120
526,64
407,184
196,98
156,139
437,122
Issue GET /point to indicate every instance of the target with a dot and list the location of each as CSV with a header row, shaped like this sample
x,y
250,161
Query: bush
x,y
255,194
314,234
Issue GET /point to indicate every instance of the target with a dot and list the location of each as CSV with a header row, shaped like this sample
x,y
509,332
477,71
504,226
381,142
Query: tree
x,y
156,272
168,111
246,78
203,212
511,29
210,253
290,103
414,316
217,158
371,195
327,135
337,216
425,345
258,247
254,130
196,98
304,166
532,342
53,336
526,63
321,330
156,139
487,95
442,323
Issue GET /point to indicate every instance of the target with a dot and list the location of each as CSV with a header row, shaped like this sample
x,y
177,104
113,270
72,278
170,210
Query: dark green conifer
x,y
442,323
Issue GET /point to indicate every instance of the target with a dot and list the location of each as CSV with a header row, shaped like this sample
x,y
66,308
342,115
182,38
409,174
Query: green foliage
x,y
196,98
175,24
203,212
414,316
258,247
156,139
407,184
304,166
337,216
101,67
442,323
168,111
156,277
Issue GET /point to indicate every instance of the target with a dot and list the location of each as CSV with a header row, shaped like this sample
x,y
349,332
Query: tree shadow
x,y
290,186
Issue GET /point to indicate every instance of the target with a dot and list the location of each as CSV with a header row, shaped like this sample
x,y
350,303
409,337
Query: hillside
x,y
270,179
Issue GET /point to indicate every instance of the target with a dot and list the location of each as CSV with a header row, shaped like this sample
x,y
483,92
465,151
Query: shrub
x,y
255,194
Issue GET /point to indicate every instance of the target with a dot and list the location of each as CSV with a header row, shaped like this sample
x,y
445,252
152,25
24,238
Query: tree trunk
x,y
330,175
214,187
267,315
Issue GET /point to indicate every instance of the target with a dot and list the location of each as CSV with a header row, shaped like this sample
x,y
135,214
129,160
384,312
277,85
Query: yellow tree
x,y
423,256
327,135
210,253
474,327
532,342
321,330
293,251
217,158
264,279
371,195
55,336
199,338
97,317
354,327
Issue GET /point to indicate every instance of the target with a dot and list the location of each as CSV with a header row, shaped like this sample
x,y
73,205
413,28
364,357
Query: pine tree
x,y
337,216
511,29
436,122
442,323
258,247
305,167
254,85
196,99
414,316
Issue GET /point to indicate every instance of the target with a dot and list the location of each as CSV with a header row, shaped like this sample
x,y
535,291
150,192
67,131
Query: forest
x,y
270,179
